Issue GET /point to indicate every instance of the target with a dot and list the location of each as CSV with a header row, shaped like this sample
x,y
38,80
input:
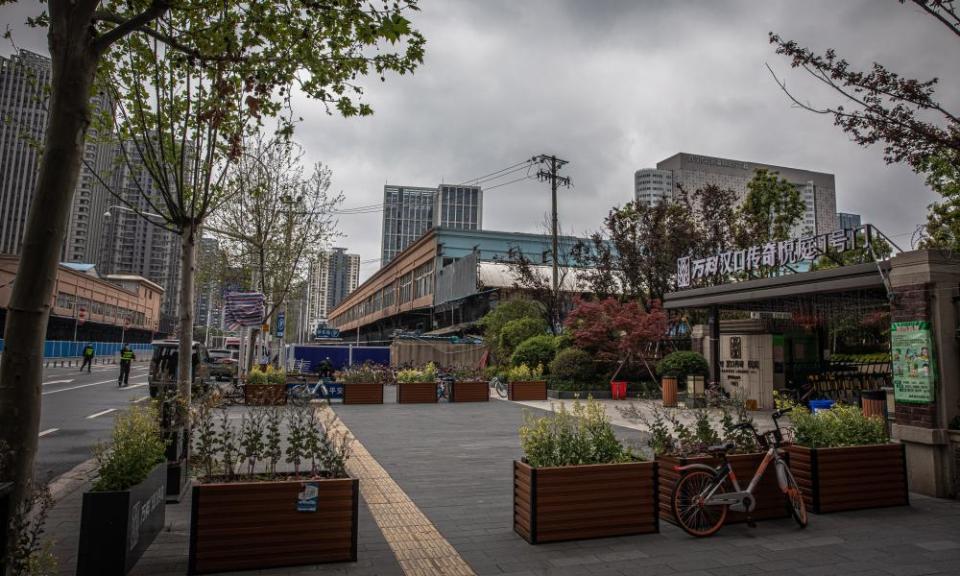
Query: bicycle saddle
x,y
722,448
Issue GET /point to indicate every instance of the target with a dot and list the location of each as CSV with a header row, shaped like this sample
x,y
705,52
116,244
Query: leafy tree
x,y
612,330
516,331
772,208
943,220
636,254
901,114
573,368
535,351
717,218
496,319
277,219
273,46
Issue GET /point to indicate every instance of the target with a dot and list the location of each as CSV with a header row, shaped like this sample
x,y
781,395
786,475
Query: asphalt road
x,y
77,412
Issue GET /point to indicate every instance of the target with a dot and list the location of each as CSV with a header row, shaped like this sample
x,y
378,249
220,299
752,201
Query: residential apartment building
x,y
132,244
409,211
331,277
692,171
24,77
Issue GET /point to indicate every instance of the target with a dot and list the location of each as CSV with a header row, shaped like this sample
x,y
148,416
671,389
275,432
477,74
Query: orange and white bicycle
x,y
702,498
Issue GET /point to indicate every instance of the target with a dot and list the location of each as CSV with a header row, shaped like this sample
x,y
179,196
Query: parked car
x,y
225,363
163,366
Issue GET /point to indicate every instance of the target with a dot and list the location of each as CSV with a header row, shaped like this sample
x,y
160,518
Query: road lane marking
x,y
141,399
134,386
77,387
107,411
47,431
58,382
81,386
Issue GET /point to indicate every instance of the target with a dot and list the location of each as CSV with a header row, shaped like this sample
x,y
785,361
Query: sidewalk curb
x,y
71,480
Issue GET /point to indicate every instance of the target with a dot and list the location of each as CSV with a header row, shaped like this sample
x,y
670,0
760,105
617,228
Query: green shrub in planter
x,y
840,426
535,351
256,376
523,373
137,446
573,369
427,374
583,435
679,365
365,374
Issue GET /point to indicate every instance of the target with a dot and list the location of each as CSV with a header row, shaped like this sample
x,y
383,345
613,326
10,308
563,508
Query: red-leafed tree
x,y
616,331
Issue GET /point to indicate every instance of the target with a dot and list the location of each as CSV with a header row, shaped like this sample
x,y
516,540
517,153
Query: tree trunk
x,y
74,66
188,252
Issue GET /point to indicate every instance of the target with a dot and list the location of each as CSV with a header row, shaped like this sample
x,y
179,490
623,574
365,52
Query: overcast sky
x,y
613,86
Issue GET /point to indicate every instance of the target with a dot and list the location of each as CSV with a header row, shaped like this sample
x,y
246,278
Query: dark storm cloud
x,y
617,85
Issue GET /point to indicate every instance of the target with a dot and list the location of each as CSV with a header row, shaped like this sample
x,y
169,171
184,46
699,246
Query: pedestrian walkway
x,y
436,485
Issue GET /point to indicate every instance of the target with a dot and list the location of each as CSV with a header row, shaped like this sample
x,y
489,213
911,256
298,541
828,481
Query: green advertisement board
x,y
914,365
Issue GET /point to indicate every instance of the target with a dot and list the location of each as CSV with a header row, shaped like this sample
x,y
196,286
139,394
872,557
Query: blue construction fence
x,y
70,349
341,356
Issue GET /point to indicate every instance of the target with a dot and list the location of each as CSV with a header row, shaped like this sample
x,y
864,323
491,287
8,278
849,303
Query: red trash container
x,y
618,390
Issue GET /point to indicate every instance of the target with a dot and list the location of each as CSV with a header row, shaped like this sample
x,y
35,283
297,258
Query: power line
x,y
487,176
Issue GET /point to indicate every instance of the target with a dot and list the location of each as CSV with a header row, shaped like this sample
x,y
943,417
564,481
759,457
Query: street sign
x,y
281,324
327,333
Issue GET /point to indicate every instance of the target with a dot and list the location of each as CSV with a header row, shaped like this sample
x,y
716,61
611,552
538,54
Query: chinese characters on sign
x,y
914,365
771,254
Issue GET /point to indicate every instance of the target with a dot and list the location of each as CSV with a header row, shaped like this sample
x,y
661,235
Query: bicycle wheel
x,y
692,513
501,388
299,395
795,503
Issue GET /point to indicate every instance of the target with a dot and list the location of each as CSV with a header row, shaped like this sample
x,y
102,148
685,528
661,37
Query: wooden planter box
x,y
589,501
264,394
417,392
362,393
472,391
854,478
257,525
531,390
117,527
771,503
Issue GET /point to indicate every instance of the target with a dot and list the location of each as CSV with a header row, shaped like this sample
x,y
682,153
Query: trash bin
x,y
873,403
618,390
818,405
669,386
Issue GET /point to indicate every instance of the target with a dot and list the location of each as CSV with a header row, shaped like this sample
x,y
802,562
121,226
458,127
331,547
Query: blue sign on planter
x,y
307,499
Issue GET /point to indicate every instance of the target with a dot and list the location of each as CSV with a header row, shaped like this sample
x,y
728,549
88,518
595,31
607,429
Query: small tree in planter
x,y
676,367
265,387
124,511
258,509
363,384
681,437
525,383
844,460
417,386
565,450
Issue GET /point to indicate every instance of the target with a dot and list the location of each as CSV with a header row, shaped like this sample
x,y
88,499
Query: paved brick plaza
x,y
453,461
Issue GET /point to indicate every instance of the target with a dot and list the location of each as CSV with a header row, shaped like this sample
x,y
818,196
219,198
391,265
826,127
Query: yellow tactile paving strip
x,y
419,548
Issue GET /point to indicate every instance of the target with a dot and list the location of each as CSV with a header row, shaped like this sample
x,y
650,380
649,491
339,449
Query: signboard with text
x,y
914,364
770,255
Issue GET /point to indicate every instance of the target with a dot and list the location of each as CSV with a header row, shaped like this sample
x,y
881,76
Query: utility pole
x,y
552,166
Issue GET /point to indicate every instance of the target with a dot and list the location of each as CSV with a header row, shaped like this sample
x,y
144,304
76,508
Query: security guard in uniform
x,y
126,357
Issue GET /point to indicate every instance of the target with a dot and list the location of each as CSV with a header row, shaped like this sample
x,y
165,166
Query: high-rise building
x,y
133,245
651,186
23,109
409,211
848,221
332,276
817,189
208,295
